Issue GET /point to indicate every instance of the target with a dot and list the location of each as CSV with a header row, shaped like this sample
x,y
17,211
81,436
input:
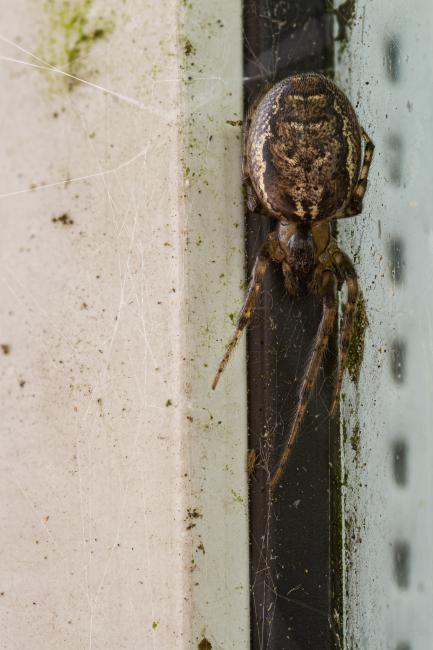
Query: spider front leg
x,y
355,206
345,266
260,267
328,290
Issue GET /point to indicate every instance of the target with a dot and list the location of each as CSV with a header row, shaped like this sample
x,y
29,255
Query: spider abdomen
x,y
304,149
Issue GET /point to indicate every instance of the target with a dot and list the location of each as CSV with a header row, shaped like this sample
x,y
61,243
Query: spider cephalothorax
x,y
300,257
304,166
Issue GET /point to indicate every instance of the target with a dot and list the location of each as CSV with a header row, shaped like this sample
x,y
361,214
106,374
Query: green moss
x,y
348,528
237,497
356,348
337,528
71,33
155,625
355,441
188,47
344,430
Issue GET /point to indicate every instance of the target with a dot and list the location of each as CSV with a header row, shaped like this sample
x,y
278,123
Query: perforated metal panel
x,y
387,420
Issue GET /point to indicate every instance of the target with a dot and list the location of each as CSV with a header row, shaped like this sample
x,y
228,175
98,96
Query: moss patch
x,y
237,497
356,348
355,442
188,47
73,27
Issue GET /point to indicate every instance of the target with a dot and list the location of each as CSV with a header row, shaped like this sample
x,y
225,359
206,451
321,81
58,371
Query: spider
x,y
304,166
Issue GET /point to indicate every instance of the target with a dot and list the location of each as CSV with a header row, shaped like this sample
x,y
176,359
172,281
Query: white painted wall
x,y
112,327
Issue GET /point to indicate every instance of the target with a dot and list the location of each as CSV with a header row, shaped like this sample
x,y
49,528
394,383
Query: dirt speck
x,y
64,219
192,513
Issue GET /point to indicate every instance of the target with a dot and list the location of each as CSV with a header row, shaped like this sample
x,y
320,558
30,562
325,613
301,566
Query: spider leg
x,y
328,286
252,199
259,270
343,263
355,205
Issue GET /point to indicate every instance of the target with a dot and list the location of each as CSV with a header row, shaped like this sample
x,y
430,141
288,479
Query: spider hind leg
x,y
328,284
259,270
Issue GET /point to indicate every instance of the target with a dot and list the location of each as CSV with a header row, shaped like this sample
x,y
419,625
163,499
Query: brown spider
x,y
302,166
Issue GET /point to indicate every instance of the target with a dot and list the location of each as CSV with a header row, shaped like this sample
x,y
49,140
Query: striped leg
x,y
329,284
355,206
349,274
259,270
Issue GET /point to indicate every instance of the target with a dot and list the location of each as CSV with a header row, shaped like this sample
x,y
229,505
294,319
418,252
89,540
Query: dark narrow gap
x,y
296,577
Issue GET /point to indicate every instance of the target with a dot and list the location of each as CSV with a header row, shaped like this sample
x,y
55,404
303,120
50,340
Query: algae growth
x,y
188,48
73,28
355,442
357,344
